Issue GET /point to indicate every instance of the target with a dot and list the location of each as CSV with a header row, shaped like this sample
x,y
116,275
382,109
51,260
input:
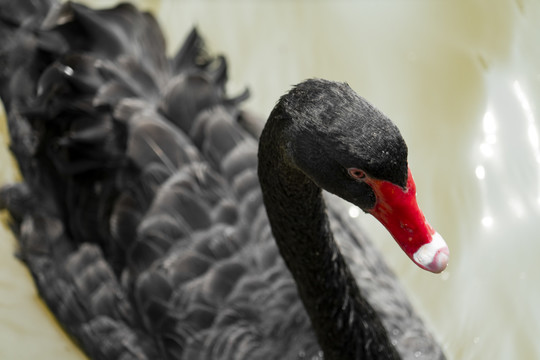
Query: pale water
x,y
462,81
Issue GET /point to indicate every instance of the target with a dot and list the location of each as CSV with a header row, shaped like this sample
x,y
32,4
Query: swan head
x,y
349,148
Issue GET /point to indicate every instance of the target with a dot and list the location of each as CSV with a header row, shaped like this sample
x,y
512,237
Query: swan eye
x,y
356,174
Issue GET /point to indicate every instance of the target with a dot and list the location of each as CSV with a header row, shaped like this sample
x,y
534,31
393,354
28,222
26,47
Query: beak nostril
x,y
400,214
406,227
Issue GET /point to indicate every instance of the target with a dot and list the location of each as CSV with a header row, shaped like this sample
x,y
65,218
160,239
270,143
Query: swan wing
x,y
140,216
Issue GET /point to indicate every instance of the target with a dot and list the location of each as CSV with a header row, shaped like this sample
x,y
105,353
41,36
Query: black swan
x,y
150,225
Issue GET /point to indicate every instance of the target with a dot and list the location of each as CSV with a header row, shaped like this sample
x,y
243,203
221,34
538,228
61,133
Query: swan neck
x,y
300,225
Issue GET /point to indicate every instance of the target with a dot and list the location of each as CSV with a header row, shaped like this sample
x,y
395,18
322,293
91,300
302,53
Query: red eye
x,y
356,174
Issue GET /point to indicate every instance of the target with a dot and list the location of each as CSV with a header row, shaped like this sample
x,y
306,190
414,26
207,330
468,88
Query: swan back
x,y
140,215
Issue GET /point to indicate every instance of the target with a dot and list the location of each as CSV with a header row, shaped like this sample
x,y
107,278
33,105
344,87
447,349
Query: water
x,y
462,81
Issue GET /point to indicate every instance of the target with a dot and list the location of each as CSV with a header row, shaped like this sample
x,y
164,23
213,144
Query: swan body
x,y
142,218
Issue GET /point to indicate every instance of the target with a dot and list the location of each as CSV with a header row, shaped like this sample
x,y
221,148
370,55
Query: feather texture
x,y
141,215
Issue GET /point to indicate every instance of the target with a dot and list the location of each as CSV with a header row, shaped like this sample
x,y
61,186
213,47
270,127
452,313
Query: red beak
x,y
396,208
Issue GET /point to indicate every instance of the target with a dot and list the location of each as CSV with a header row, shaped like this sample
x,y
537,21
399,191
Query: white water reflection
x,y
480,172
505,288
490,134
487,221
532,131
354,211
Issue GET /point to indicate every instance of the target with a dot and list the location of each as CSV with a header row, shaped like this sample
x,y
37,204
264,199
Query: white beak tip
x,y
434,255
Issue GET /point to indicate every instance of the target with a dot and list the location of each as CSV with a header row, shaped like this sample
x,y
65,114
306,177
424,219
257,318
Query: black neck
x,y
346,325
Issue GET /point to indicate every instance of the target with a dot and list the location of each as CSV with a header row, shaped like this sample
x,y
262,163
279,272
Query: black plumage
x,y
141,216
